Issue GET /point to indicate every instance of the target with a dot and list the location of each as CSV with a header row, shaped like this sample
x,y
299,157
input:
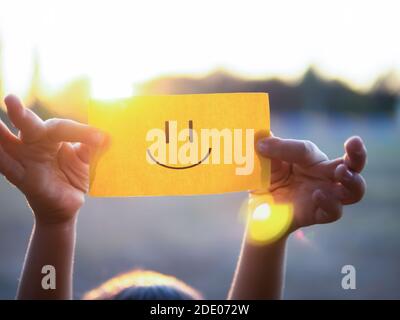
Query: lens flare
x,y
262,212
267,220
299,234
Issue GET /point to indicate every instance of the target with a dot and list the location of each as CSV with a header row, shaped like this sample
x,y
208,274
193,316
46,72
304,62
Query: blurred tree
x,y
312,92
385,92
389,83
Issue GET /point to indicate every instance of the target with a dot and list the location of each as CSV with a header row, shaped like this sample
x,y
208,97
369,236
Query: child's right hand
x,y
316,186
42,162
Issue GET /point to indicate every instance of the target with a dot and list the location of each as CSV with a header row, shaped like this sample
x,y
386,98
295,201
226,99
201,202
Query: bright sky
x,y
120,43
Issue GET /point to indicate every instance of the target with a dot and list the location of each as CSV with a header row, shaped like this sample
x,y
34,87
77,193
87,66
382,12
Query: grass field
x,y
198,238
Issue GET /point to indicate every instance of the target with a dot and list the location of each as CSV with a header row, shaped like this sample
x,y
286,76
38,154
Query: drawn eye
x,y
166,131
174,136
191,130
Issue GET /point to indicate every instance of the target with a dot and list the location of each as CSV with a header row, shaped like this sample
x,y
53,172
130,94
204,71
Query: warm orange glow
x,y
137,278
225,126
267,221
119,44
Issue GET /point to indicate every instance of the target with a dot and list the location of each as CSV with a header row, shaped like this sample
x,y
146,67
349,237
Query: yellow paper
x,y
180,145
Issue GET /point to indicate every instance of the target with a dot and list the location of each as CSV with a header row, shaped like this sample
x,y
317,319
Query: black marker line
x,y
178,168
166,131
191,130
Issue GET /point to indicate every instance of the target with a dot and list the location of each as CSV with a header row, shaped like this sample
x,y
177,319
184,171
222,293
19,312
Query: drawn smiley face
x,y
167,141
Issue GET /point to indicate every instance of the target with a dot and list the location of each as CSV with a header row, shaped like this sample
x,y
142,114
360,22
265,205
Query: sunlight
x,y
267,221
262,212
119,44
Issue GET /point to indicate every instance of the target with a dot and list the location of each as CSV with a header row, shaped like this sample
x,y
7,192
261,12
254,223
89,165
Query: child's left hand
x,y
317,187
48,161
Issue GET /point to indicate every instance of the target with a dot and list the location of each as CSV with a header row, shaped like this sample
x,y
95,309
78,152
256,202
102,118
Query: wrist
x,y
280,240
61,221
59,230
61,211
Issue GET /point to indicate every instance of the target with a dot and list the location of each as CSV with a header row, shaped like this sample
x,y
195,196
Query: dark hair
x,y
143,285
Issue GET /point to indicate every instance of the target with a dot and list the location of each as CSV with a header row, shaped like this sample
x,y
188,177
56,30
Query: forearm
x,y
50,244
260,271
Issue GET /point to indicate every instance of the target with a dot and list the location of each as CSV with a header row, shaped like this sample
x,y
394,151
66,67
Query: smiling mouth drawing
x,y
167,141
179,168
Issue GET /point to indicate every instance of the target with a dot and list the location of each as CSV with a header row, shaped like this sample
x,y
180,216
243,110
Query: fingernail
x,y
262,146
347,175
98,138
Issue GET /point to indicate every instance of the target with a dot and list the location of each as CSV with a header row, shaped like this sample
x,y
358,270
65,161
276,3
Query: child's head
x,y
143,285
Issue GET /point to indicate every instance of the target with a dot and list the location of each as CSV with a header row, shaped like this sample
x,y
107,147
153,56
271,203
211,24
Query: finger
x,y
30,125
83,151
9,142
278,168
59,130
356,154
10,168
6,136
326,168
72,166
301,152
276,165
353,184
280,171
329,208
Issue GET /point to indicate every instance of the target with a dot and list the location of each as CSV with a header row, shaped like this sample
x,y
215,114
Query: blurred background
x,y
332,69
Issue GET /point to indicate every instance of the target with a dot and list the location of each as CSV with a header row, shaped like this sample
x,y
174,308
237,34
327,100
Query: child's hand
x,y
317,187
44,164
